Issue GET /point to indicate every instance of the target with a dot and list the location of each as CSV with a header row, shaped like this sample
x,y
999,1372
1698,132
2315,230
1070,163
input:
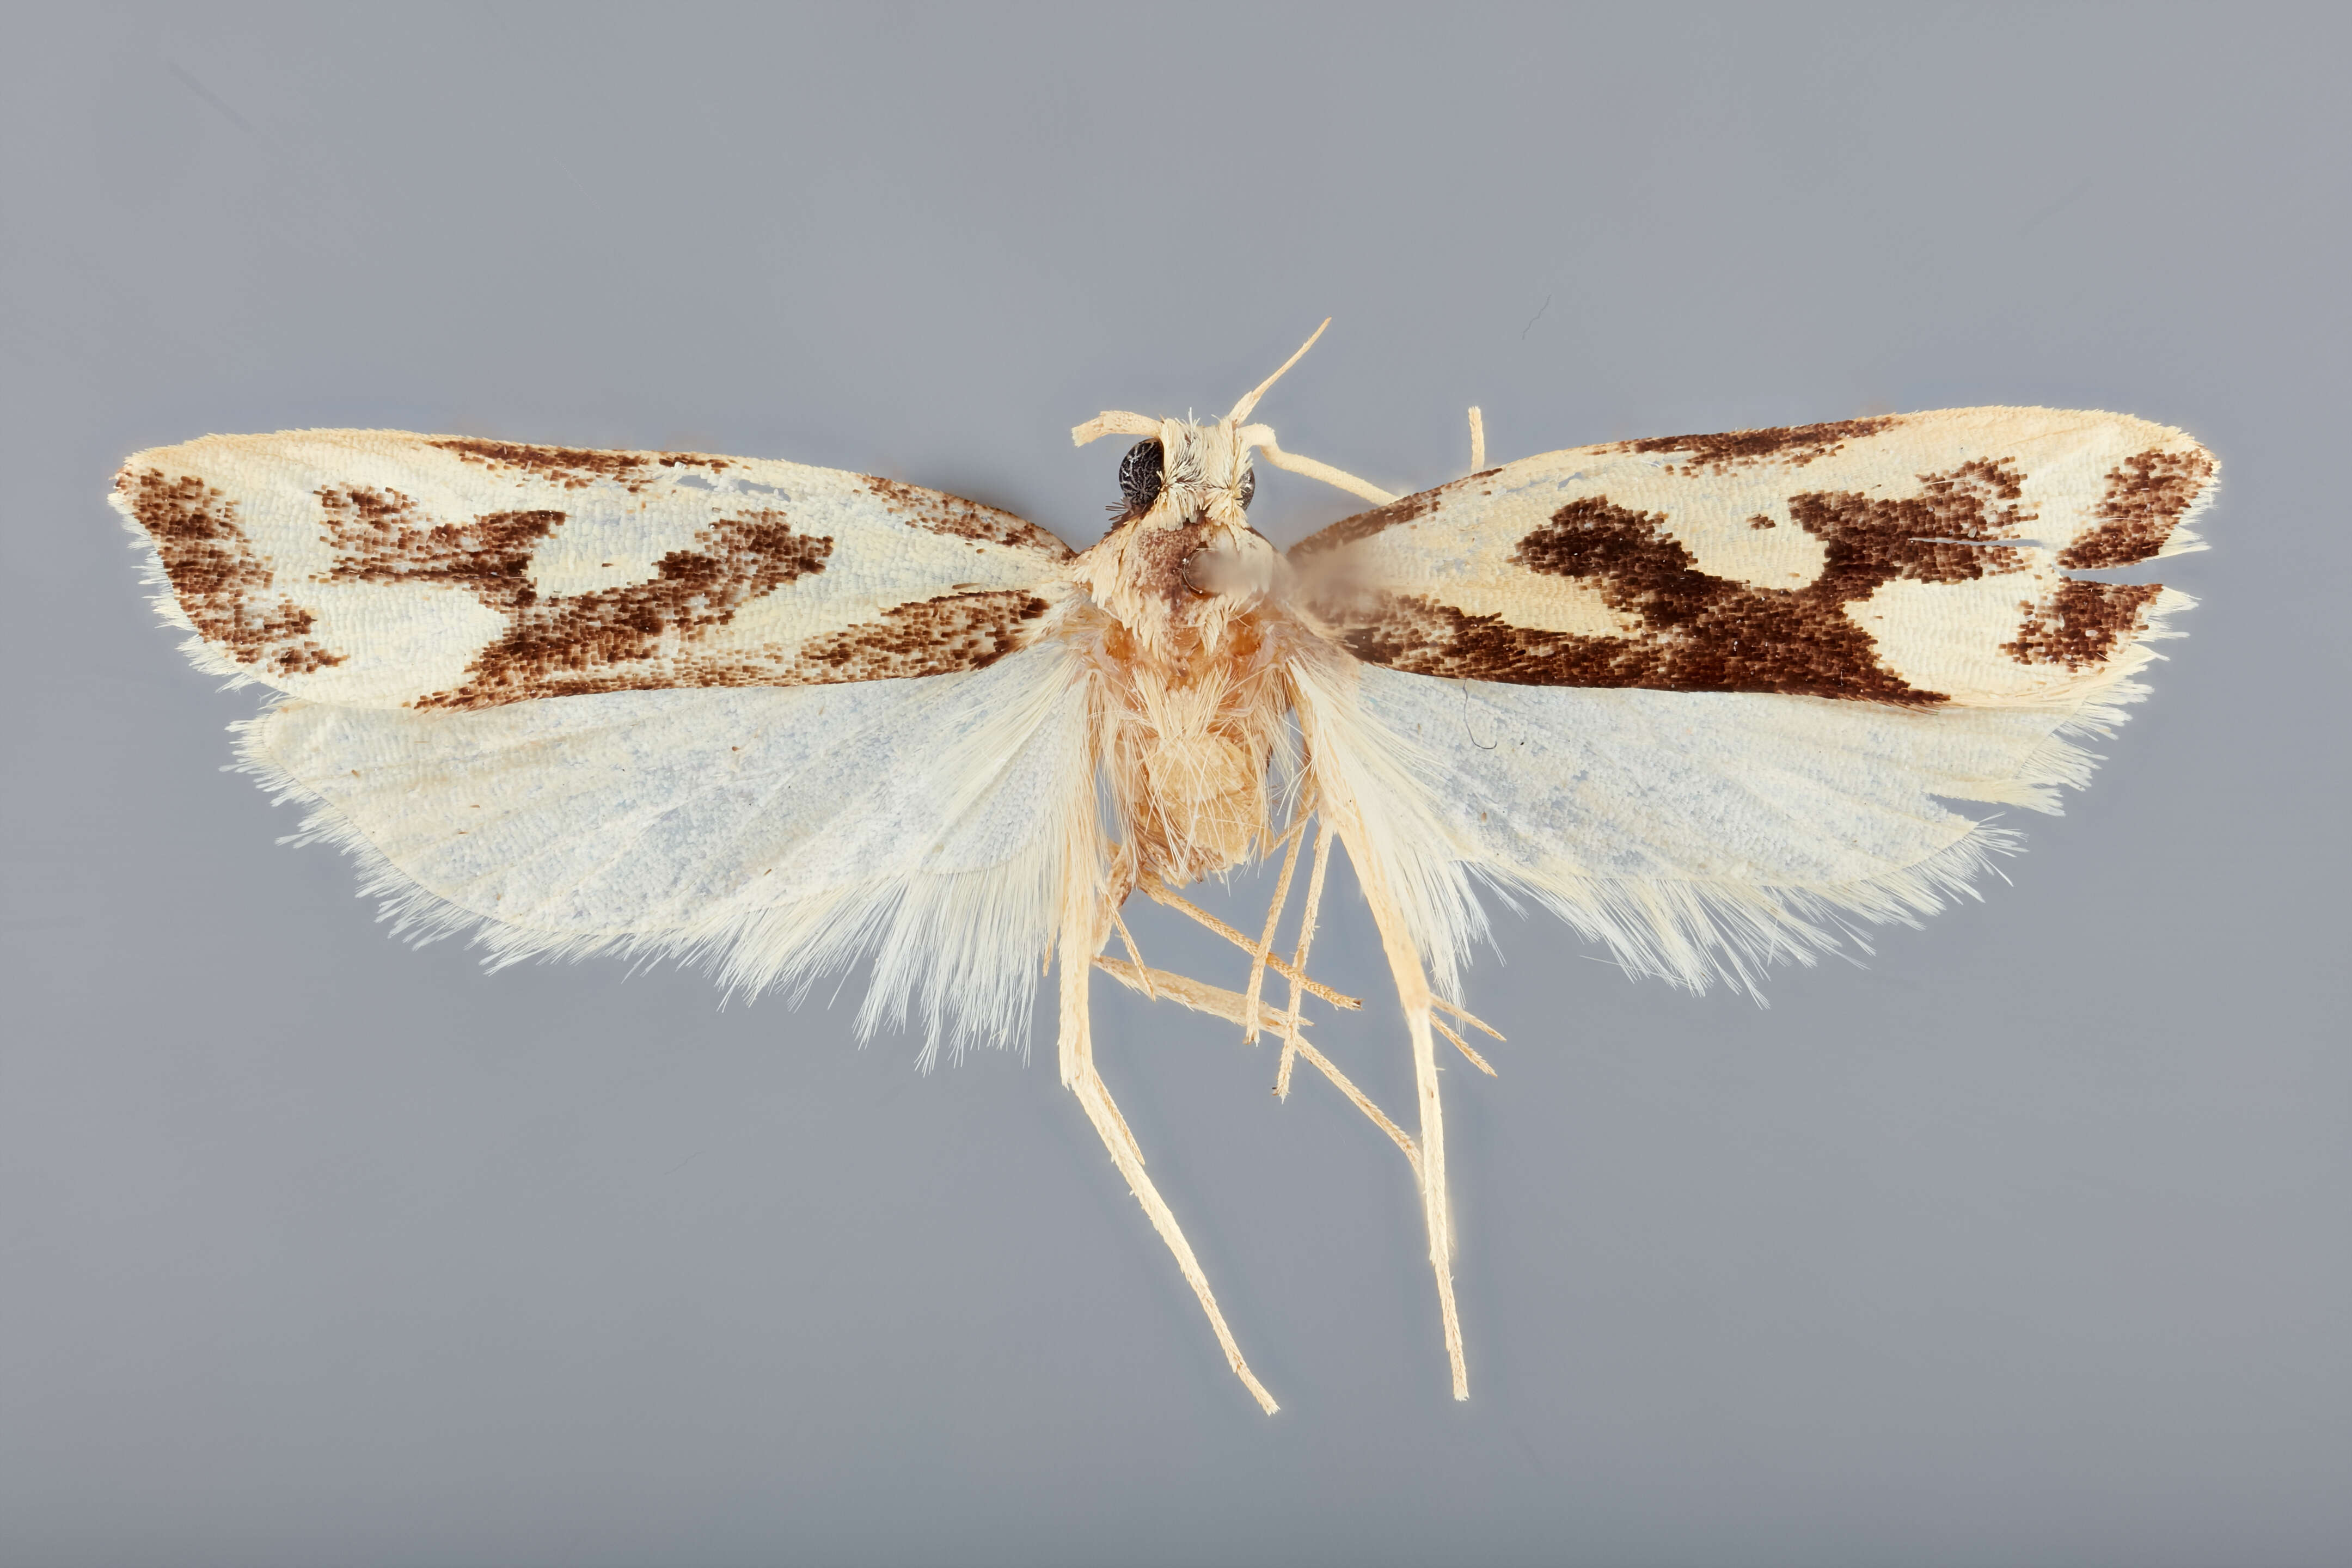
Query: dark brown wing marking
x,y
1795,445
961,519
574,467
222,585
2080,625
956,631
569,644
1703,633
380,537
2145,500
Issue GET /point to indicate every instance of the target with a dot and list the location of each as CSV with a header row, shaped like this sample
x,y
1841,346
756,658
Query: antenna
x,y
1242,409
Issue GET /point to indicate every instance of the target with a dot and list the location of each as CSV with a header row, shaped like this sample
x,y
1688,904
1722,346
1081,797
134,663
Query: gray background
x,y
2025,1243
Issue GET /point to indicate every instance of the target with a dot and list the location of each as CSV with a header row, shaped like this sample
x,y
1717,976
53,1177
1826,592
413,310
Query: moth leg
x,y
1299,965
1122,883
1266,942
1221,1004
1412,990
1081,941
1159,892
1463,1046
1477,441
1133,952
1480,1025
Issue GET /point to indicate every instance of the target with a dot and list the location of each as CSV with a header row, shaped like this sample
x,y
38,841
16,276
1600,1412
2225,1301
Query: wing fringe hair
x,y
1697,931
956,947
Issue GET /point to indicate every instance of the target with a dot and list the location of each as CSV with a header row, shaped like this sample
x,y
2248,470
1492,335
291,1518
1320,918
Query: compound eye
x,y
1140,477
1249,487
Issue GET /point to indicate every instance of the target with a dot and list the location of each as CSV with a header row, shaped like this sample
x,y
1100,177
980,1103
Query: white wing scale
x,y
1702,835
774,832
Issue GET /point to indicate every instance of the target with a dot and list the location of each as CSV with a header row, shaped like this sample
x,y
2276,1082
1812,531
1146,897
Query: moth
x,y
1705,697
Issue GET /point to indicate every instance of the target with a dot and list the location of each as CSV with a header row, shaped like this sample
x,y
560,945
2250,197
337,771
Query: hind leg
x,y
1412,991
1083,936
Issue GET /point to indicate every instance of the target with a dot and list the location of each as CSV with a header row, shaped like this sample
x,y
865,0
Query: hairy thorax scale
x,y
1188,640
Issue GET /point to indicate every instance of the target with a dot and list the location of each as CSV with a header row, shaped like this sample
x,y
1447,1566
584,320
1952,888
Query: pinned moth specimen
x,y
1705,697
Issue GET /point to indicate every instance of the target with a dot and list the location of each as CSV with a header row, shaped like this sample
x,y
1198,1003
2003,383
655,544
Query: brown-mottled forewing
x,y
381,569
1914,558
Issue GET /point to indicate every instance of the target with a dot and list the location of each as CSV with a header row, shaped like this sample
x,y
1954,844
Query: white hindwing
x,y
777,833
1699,835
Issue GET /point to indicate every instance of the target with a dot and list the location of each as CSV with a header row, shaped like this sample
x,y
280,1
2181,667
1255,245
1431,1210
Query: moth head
x,y
1183,475
1182,558
1186,474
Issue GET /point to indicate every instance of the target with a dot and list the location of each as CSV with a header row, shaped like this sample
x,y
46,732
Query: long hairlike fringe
x,y
1691,933
955,948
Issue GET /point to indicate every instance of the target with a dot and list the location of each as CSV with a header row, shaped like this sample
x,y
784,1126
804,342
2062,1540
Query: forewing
x,y
1916,559
378,569
774,832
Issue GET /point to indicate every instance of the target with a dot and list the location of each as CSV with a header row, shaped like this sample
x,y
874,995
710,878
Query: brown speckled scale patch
x,y
380,537
571,644
960,519
2080,625
1703,633
933,636
222,585
1795,445
2145,500
574,467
